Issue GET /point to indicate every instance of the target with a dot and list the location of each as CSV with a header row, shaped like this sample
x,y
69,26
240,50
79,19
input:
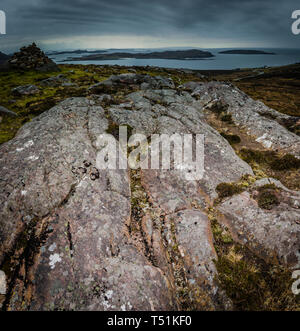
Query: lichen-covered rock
x,y
170,113
65,220
131,79
184,231
54,81
25,90
267,220
75,237
256,118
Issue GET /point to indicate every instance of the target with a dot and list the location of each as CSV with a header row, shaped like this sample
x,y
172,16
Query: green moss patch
x,y
267,200
225,190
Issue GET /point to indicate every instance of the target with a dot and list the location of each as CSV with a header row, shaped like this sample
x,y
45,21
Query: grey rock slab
x,y
25,90
250,115
272,234
48,174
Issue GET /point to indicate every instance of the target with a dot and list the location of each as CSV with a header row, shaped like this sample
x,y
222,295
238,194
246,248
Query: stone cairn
x,y
32,58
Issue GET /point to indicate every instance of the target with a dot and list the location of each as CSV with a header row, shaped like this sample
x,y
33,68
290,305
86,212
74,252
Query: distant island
x,y
77,51
169,55
246,51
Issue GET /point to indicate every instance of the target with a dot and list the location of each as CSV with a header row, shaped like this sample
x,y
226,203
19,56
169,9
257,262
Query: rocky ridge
x,y
77,238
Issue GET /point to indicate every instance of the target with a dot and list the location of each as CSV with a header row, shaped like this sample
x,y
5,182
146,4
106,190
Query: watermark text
x,y
296,24
181,152
2,22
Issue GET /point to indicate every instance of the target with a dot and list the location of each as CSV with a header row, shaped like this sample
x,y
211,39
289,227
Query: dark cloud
x,y
238,21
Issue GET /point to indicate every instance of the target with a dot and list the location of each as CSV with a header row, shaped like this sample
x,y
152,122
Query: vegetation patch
x,y
248,281
231,138
29,106
225,190
227,118
285,162
270,158
267,199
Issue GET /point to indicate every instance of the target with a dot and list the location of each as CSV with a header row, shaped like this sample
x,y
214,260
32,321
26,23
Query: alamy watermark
x,y
182,152
296,24
2,22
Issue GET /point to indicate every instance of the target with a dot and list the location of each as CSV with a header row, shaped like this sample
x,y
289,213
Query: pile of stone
x,y
32,58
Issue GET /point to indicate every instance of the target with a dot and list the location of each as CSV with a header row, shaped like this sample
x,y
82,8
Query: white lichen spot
x,y
2,282
33,158
23,192
109,294
265,142
52,247
123,307
55,258
181,251
26,145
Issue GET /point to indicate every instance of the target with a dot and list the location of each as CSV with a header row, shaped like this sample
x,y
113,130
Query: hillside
x,y
76,237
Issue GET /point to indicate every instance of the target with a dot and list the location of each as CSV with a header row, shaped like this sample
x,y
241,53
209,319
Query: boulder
x,y
55,81
254,117
25,90
132,79
65,220
267,220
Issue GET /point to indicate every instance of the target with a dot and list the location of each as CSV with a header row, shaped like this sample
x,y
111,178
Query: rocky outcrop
x,y
25,90
266,219
55,81
74,237
77,254
254,117
131,79
31,58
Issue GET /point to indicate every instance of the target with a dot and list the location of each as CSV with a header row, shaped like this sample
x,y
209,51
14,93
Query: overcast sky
x,y
72,24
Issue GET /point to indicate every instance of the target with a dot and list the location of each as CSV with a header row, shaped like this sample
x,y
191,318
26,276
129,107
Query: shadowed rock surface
x,y
74,237
4,111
